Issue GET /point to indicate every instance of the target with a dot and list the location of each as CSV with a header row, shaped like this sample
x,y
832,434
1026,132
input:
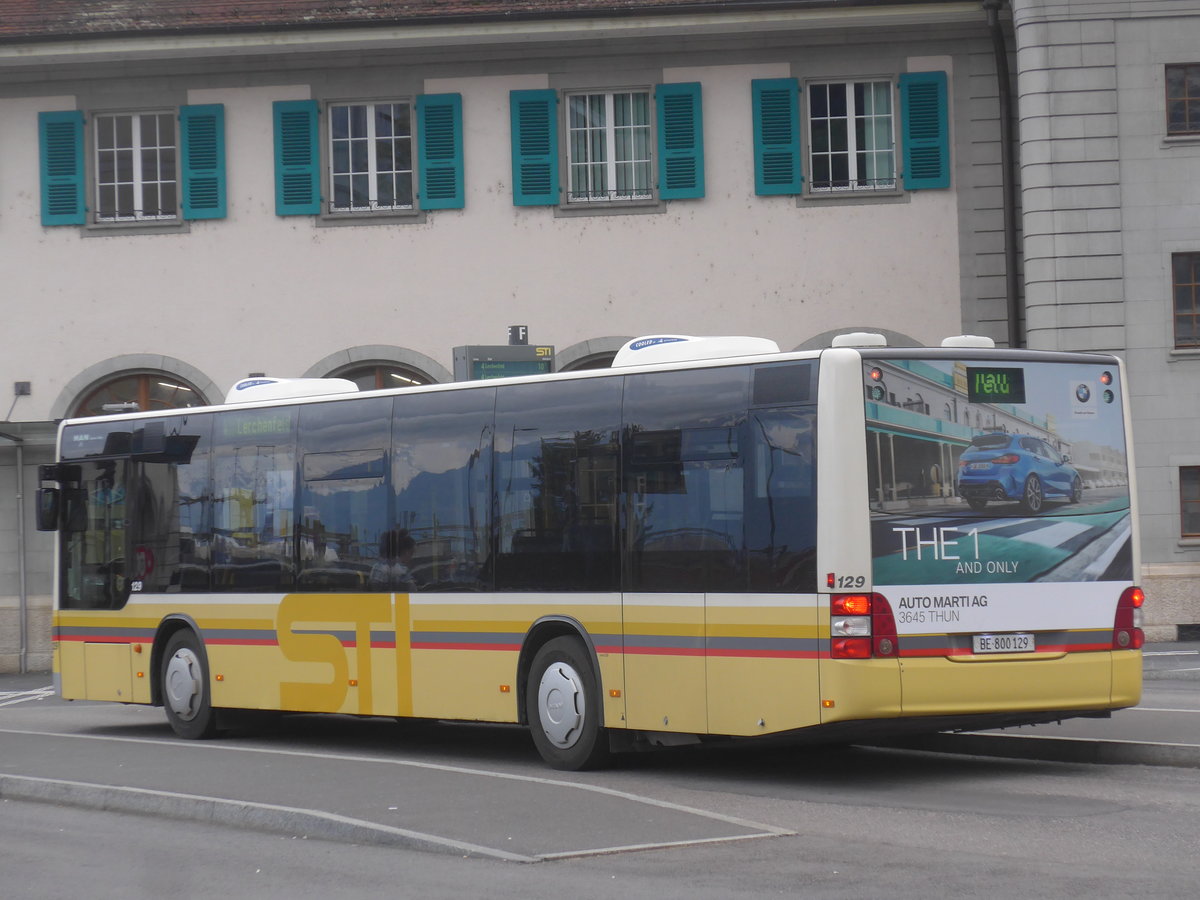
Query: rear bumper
x,y
969,686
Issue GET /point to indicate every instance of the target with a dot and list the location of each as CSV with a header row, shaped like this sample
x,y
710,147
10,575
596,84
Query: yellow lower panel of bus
x,y
664,662
761,696
475,685
108,672
1126,678
666,693
859,689
103,671
942,686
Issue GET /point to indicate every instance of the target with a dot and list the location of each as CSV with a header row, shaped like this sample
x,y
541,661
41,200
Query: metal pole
x,y
23,597
1008,174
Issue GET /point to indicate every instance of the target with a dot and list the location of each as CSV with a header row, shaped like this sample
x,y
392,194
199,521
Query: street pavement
x,y
453,788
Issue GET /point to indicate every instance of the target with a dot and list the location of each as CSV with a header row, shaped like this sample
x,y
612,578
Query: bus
x,y
711,539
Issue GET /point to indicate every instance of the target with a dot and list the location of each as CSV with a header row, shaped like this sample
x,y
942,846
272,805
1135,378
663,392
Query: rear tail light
x,y
1007,459
1127,627
861,626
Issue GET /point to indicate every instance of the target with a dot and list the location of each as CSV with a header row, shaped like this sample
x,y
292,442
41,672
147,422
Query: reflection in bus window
x,y
343,500
684,481
781,514
94,549
441,476
556,459
254,461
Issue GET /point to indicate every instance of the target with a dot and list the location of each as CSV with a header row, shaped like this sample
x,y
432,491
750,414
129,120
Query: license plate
x,y
1003,643
978,466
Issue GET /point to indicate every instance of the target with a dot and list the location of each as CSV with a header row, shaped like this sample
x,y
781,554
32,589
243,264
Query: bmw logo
x,y
1083,393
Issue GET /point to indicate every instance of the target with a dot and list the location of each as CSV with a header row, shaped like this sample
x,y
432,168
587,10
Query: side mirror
x,y
48,509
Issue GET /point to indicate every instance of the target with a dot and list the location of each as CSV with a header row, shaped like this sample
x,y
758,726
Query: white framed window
x,y
136,168
609,142
1183,99
852,143
370,156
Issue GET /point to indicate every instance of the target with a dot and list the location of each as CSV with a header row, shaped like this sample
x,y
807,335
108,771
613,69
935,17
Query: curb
x,y
1058,749
235,813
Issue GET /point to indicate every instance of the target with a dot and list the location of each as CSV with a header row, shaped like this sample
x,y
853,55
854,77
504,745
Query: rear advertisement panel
x,y
1000,497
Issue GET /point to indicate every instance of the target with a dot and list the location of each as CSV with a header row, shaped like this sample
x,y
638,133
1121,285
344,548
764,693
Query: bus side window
x,y
556,462
781,537
684,487
343,501
254,464
170,508
441,477
95,548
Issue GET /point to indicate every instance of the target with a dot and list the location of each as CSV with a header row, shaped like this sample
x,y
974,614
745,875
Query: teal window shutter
x,y
680,141
923,104
440,151
297,158
534,117
60,147
776,112
202,139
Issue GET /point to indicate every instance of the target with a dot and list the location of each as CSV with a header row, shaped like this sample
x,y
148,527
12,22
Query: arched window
x,y
595,361
138,392
381,375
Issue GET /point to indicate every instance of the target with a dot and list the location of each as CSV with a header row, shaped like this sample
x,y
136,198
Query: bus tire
x,y
186,693
562,704
1033,498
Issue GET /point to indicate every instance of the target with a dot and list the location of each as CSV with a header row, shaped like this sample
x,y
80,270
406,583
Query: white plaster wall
x,y
256,292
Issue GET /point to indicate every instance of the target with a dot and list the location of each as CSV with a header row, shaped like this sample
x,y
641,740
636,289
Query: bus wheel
x,y
185,690
1032,497
562,703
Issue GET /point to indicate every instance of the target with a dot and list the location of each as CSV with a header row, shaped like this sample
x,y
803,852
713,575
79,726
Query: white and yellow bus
x,y
709,539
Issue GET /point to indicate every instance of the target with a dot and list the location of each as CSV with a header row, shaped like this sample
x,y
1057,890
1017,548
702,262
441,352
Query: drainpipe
x,y
23,601
1008,175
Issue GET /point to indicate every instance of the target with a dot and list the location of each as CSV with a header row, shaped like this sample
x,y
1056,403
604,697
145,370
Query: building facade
x,y
311,188
1109,101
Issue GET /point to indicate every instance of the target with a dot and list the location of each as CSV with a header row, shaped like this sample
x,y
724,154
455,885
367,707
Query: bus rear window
x,y
1014,466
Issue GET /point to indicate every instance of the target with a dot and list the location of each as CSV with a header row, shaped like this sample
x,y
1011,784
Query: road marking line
x,y
632,848
12,698
1092,740
1159,709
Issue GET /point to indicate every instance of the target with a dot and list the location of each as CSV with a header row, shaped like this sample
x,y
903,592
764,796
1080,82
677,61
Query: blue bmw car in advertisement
x,y
1016,467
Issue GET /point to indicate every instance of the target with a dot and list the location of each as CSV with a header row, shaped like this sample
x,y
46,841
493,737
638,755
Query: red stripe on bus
x,y
449,646
766,654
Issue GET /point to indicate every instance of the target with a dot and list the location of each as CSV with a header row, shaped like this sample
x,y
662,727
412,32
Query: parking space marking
x,y
757,829
12,698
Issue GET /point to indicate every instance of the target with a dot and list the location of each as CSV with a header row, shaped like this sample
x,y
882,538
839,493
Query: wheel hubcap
x,y
561,704
182,685
1033,495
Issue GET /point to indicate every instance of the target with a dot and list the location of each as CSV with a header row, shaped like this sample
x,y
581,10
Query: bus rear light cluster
x,y
861,626
1127,628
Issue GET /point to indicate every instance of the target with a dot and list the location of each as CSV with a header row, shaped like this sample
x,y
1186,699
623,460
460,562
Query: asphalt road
x,y
442,801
